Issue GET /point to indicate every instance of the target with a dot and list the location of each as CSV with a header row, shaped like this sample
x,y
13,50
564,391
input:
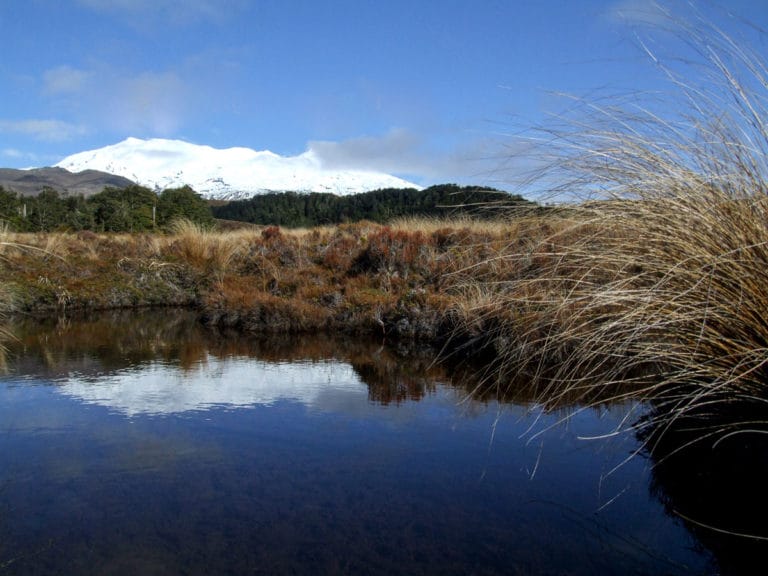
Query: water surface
x,y
142,444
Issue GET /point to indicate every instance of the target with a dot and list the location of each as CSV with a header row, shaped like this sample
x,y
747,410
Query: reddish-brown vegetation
x,y
406,280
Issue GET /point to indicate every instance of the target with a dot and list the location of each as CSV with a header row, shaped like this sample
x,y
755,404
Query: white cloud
x,y
478,159
396,151
64,80
46,130
160,389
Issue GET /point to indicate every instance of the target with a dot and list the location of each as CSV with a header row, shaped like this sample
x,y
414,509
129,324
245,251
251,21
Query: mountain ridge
x,y
224,174
87,182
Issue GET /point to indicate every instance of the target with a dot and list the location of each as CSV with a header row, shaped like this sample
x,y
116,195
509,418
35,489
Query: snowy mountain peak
x,y
224,174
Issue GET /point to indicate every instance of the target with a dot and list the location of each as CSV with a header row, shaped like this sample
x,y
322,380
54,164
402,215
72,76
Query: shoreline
x,y
570,300
402,282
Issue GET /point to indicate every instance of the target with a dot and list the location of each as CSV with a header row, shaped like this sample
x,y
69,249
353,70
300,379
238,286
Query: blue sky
x,y
427,89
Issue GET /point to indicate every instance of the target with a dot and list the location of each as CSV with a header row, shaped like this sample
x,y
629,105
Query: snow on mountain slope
x,y
228,174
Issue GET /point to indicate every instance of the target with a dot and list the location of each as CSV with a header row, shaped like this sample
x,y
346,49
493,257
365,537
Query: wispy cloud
x,y
12,153
143,103
147,103
15,156
174,11
64,80
46,130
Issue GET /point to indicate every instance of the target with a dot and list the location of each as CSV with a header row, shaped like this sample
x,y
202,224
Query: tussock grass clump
x,y
432,225
654,286
205,250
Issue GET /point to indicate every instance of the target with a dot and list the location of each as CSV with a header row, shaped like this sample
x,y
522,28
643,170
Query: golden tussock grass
x,y
654,287
205,250
432,225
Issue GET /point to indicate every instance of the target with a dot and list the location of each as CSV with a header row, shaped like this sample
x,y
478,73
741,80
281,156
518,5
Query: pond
x,y
142,443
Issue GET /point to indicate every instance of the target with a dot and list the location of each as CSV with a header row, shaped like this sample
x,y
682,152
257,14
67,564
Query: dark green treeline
x,y
293,209
139,209
131,209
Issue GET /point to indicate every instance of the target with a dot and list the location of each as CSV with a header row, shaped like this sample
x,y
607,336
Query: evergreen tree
x,y
11,209
124,209
46,211
184,202
78,213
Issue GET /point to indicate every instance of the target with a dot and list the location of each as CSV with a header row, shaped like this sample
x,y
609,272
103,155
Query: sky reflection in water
x,y
185,452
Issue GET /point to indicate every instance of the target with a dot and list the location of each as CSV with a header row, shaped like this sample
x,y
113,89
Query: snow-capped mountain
x,y
228,174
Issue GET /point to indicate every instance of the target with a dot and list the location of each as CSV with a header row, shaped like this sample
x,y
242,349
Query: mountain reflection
x,y
163,389
186,366
165,362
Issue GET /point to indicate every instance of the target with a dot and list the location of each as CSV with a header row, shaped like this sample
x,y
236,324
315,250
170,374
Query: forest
x,y
139,209
295,210
131,209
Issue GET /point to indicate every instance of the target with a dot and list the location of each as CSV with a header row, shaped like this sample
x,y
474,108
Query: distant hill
x,y
86,183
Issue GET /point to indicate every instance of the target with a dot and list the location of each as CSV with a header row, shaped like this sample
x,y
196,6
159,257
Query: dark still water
x,y
141,444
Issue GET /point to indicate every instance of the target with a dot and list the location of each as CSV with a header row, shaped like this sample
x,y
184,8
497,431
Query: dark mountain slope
x,y
31,182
